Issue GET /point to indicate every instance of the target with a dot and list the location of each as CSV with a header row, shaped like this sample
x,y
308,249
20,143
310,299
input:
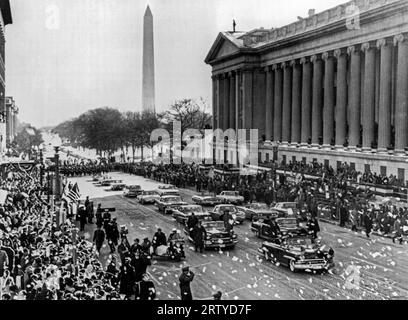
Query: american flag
x,y
72,194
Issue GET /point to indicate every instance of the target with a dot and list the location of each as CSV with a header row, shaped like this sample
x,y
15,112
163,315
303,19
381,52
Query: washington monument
x,y
148,63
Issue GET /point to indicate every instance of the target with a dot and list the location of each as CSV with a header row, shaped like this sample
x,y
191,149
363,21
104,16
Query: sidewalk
x,y
358,229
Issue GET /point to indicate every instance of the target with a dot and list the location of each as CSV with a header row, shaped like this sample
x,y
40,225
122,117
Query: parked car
x,y
231,197
166,203
287,226
148,196
133,191
182,213
298,253
206,199
217,236
237,215
258,210
117,187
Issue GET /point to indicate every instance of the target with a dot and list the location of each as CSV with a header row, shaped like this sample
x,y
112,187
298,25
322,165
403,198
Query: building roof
x,y
6,11
261,38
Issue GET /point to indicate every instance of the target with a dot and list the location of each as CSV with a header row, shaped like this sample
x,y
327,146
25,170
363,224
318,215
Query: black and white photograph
x,y
193,151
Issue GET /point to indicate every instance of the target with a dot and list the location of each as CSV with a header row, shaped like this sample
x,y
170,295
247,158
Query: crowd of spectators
x,y
332,195
40,260
343,172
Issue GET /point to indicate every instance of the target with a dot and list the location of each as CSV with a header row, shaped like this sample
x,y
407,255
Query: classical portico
x,y
321,88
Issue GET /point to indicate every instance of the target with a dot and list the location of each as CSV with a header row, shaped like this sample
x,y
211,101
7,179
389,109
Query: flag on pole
x,y
74,194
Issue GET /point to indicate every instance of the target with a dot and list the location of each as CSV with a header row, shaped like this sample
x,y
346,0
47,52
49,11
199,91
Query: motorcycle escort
x,y
173,251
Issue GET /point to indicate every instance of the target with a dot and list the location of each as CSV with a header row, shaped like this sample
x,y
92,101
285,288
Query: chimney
x,y
312,12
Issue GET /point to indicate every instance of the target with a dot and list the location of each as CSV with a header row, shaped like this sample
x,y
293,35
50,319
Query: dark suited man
x,y
145,289
99,238
199,237
185,279
191,222
82,217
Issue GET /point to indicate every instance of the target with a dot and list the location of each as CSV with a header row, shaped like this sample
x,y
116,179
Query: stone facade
x,y
331,87
5,19
11,119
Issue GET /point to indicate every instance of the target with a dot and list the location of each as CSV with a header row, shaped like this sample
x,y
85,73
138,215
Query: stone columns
x,y
328,109
214,101
238,103
287,103
401,104
296,101
317,100
369,96
269,105
354,97
341,98
225,110
277,114
232,114
384,112
247,84
219,102
306,100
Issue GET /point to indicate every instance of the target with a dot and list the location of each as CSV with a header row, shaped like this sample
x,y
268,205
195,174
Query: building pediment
x,y
223,46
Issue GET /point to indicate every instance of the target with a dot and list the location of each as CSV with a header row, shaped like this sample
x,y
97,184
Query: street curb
x,y
337,224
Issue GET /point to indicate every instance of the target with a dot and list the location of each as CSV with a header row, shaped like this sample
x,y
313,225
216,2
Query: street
x,y
377,266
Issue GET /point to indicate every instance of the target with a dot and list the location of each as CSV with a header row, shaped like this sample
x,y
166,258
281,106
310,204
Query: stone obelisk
x,y
148,94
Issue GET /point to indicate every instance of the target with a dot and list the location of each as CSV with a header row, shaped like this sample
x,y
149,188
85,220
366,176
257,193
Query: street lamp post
x,y
57,190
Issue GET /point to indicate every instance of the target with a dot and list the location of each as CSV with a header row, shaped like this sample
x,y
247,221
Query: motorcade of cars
x,y
148,197
231,197
165,204
182,213
218,212
217,236
206,199
298,253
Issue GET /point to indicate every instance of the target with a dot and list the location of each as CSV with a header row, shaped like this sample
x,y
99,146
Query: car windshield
x,y
149,193
258,206
289,205
287,222
172,199
231,209
191,209
230,193
214,224
299,242
134,187
170,192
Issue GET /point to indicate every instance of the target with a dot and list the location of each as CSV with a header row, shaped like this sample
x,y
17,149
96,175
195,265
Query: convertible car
x,y
287,226
217,236
182,213
258,210
298,253
132,191
237,215
166,203
231,197
148,196
206,199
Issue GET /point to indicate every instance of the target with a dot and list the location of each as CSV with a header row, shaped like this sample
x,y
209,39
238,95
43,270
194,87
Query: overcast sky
x,y
91,56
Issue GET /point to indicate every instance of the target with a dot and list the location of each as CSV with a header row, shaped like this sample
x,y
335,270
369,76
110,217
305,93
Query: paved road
x,y
240,274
